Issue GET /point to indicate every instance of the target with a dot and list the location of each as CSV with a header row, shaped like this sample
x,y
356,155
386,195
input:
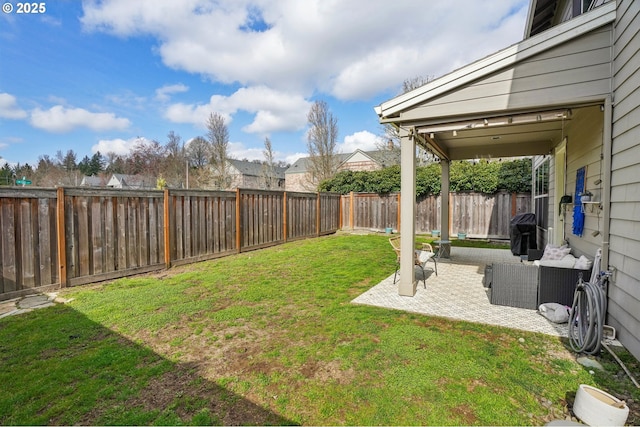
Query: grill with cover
x,y
522,232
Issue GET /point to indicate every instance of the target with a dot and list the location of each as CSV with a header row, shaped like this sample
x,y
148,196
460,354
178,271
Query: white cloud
x,y
274,110
237,150
9,108
61,119
363,140
164,93
315,45
118,146
291,158
194,114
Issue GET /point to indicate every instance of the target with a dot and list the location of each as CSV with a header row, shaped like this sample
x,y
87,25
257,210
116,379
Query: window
x,y
541,194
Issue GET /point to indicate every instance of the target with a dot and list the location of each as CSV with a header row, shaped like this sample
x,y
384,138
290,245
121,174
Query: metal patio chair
x,y
420,258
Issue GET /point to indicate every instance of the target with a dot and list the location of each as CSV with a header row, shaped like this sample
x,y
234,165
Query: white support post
x,y
407,283
444,200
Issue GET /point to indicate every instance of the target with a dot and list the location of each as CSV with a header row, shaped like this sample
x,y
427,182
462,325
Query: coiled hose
x,y
587,315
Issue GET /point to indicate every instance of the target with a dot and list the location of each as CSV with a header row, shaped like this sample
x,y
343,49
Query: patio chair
x,y
420,258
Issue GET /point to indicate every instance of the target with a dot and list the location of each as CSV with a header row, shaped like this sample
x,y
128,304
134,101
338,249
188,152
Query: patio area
x,y
458,293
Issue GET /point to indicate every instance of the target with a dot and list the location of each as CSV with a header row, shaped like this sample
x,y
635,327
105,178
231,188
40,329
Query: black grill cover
x,y
522,232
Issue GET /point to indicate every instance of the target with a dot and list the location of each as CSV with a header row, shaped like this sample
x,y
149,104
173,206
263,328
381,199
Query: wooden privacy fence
x,y
72,236
476,214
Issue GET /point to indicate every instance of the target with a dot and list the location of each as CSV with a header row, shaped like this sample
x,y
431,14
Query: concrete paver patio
x,y
458,293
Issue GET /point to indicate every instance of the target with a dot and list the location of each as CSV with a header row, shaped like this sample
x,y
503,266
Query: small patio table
x,y
444,248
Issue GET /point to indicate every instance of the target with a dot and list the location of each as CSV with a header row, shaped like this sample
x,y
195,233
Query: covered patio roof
x,y
514,102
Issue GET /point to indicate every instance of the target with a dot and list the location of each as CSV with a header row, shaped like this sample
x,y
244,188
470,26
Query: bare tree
x,y
198,152
146,158
218,136
415,82
48,173
322,139
115,163
388,139
174,146
67,163
175,161
269,177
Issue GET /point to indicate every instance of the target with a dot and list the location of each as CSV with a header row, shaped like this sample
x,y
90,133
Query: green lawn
x,y
270,337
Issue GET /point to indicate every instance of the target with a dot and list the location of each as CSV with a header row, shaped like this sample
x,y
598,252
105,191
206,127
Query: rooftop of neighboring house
x,y
132,181
383,157
92,181
255,169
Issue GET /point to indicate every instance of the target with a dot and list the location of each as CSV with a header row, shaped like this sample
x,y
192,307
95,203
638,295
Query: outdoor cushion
x,y
583,263
555,312
423,256
552,252
568,261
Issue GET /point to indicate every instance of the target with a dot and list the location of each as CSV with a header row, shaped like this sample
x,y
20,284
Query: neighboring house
x,y
93,181
131,182
299,178
569,93
369,160
253,175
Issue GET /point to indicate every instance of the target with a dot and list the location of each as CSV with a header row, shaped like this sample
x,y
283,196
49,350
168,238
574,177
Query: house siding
x,y
624,253
584,148
576,70
584,135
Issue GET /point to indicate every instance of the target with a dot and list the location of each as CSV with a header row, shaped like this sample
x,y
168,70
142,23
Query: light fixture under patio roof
x,y
515,119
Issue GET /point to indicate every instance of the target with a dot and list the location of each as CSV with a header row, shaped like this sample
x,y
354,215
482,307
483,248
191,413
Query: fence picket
x,y
477,214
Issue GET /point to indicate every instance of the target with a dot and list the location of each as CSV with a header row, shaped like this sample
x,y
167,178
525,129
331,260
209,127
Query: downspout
x,y
606,179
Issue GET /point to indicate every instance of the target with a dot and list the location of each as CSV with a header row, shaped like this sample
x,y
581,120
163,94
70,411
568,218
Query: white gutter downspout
x,y
606,180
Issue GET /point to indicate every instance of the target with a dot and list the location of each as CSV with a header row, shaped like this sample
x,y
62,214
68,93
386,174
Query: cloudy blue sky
x,y
98,75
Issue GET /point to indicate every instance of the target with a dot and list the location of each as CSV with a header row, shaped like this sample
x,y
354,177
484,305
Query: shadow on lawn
x,y
67,369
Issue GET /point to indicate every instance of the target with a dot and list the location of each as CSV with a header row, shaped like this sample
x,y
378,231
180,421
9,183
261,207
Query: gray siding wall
x,y
624,254
574,71
584,148
584,135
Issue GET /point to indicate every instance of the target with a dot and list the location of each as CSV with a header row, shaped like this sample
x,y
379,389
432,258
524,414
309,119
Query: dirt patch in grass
x,y
328,372
182,392
466,414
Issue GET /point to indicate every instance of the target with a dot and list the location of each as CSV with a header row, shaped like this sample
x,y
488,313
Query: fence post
x,y
238,221
351,209
340,212
513,204
284,216
167,228
318,214
60,230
